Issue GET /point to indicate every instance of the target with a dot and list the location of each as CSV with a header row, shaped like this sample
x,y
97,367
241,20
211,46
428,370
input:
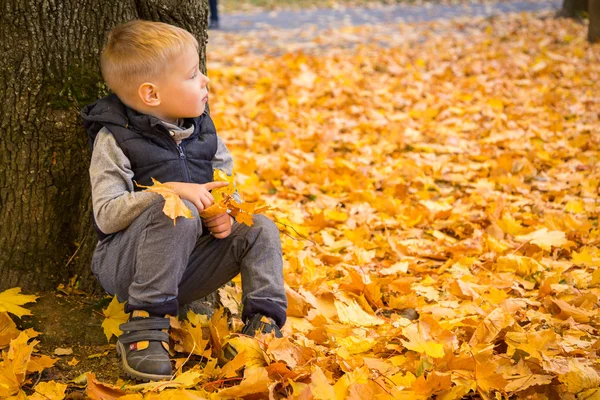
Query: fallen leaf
x,y
350,312
8,329
544,238
40,363
60,351
256,380
49,391
101,391
11,301
115,316
73,362
417,343
580,377
491,326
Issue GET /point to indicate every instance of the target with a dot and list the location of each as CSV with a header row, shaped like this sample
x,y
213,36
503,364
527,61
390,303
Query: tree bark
x,y
48,71
594,28
573,8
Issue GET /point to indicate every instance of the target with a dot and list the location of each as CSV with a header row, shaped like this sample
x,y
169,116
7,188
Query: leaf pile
x,y
452,170
18,352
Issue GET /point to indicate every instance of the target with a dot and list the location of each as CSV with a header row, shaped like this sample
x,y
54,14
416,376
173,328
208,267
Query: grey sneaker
x,y
143,347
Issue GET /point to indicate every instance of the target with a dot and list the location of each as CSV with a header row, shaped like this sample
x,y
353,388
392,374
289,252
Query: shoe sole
x,y
132,373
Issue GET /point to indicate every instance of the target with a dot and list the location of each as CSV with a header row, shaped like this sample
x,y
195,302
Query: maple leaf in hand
x,y
174,207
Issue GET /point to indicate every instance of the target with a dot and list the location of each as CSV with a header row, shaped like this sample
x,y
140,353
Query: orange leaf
x,y
174,207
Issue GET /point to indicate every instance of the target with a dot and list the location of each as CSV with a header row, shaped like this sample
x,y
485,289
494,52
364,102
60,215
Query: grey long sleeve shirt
x,y
116,205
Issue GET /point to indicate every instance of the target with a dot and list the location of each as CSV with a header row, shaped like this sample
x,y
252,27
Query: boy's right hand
x,y
198,194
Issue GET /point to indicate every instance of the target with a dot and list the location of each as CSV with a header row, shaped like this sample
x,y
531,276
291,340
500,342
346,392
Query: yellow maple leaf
x,y
416,342
256,380
511,226
297,304
193,339
11,300
585,256
520,265
575,206
231,368
596,277
242,212
115,316
174,207
519,383
580,376
49,391
8,329
255,356
544,238
356,378
19,353
218,193
282,349
491,326
189,378
320,386
350,312
74,361
40,363
356,345
13,367
404,380
219,330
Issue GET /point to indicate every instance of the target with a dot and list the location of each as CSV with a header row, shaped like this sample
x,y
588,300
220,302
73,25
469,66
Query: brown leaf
x,y
101,391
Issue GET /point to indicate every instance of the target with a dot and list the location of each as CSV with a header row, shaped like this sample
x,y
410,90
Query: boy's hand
x,y
219,225
198,194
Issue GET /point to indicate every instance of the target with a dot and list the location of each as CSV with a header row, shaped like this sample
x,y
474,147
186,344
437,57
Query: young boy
x,y
156,125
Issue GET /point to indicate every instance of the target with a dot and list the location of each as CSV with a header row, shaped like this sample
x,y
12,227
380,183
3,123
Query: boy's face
x,y
182,90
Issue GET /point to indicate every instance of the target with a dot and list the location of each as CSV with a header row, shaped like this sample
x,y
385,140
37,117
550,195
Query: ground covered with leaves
x,y
436,186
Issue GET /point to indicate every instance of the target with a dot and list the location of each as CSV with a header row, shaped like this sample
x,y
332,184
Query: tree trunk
x,y
594,28
573,8
48,71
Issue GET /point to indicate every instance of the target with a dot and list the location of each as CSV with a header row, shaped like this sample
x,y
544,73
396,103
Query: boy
x,y
156,125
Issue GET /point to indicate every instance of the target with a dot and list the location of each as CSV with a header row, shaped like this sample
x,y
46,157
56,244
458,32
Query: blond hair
x,y
138,50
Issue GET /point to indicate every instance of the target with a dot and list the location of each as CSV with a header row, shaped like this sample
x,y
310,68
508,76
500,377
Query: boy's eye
x,y
193,76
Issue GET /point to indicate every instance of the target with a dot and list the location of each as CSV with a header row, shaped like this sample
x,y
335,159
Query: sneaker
x,y
257,324
144,347
262,324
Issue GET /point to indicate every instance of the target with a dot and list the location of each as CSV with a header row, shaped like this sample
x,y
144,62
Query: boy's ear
x,y
148,93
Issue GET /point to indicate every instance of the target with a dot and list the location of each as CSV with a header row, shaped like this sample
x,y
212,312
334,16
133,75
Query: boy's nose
x,y
205,80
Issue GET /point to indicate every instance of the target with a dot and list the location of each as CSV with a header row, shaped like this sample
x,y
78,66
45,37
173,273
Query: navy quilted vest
x,y
148,144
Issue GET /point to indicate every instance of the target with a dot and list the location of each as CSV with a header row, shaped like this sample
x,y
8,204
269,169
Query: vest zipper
x,y
183,163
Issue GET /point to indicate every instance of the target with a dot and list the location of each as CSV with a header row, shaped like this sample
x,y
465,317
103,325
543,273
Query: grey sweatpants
x,y
152,261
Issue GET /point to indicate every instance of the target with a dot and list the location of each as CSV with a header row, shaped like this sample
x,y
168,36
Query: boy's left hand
x,y
219,225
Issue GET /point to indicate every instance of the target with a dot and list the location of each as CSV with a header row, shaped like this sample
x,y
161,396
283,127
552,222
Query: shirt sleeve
x,y
224,162
116,205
